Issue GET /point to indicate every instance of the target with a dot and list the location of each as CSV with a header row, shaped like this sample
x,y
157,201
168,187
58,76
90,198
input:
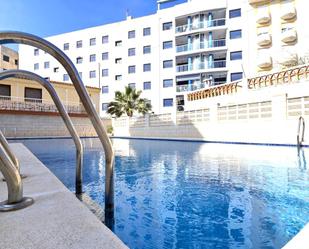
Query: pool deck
x,y
57,219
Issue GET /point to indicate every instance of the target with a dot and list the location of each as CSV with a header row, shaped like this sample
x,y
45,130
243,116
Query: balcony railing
x,y
199,85
200,45
200,66
201,25
36,105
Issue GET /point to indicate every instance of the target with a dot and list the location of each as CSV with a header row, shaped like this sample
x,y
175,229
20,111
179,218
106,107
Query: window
x,y
79,44
118,77
104,106
118,43
168,83
237,55
131,52
147,67
235,34
5,91
146,31
65,77
66,46
105,56
36,66
167,26
132,85
131,34
118,61
147,85
33,94
168,64
6,58
56,69
36,52
105,72
92,58
104,39
92,74
235,13
131,69
167,44
92,42
146,49
79,60
236,76
16,62
104,89
46,64
167,102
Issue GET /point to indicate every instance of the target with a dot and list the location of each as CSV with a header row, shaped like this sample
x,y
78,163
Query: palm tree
x,y
128,102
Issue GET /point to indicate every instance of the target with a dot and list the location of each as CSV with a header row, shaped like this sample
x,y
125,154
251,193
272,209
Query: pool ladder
x,y
9,164
300,131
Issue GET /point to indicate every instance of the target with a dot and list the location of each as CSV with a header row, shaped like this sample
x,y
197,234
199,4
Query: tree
x,y
128,102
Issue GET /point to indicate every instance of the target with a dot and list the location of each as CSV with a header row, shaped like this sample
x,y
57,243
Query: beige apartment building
x,y
277,36
27,95
9,58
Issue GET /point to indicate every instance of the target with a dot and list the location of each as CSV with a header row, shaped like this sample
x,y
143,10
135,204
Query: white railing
x,y
200,66
38,105
200,25
201,45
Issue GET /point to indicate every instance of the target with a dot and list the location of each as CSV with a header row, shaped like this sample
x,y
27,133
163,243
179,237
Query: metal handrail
x,y
10,172
64,115
63,59
301,123
8,150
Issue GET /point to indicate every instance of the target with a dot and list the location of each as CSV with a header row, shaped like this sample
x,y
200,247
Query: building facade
x,y
178,50
22,95
9,58
277,34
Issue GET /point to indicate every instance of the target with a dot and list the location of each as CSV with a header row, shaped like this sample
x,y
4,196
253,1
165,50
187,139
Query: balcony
x,y
200,25
289,35
200,45
201,66
257,2
13,103
198,86
288,58
264,61
192,87
263,17
264,39
288,12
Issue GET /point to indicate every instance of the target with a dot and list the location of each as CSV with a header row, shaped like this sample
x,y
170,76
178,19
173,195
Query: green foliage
x,y
128,102
110,129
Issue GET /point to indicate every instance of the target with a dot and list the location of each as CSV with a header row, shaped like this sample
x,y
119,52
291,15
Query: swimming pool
x,y
191,194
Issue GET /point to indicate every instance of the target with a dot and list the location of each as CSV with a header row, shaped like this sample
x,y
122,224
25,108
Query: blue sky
x,y
50,17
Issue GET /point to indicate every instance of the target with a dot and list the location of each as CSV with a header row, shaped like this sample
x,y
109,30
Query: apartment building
x,y
177,50
8,58
277,35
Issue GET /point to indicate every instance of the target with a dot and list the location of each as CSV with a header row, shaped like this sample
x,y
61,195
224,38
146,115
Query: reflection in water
x,y
193,195
301,158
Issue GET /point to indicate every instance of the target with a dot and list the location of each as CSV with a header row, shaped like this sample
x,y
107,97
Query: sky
x,y
50,17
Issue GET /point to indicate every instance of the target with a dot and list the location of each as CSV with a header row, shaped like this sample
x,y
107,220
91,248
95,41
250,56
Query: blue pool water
x,y
190,194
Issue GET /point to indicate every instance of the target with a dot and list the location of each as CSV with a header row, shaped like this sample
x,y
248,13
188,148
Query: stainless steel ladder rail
x,y
8,150
63,113
300,131
10,172
63,59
